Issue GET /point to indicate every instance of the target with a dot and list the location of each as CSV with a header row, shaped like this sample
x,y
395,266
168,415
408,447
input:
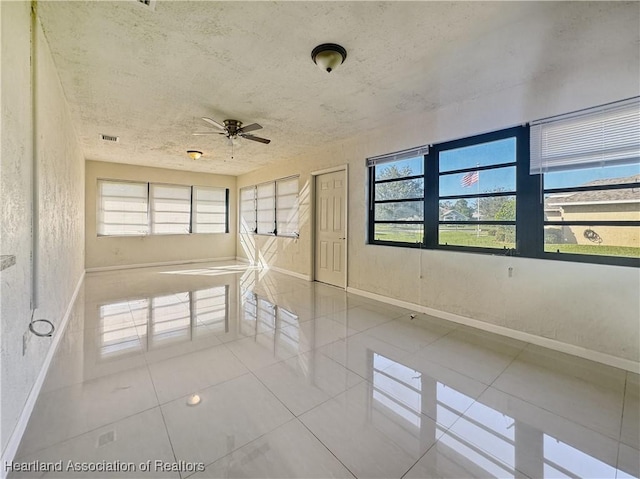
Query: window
x,y
139,209
563,188
266,208
248,222
210,210
270,208
122,209
590,162
477,192
396,208
287,207
170,209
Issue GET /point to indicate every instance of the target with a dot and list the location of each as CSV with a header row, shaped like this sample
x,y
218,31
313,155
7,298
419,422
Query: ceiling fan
x,y
233,129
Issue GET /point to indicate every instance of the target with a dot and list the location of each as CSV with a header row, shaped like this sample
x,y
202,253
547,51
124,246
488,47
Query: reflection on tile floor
x,y
224,370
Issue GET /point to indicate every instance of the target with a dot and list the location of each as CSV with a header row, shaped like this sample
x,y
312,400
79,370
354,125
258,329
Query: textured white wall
x,y
122,251
60,228
591,306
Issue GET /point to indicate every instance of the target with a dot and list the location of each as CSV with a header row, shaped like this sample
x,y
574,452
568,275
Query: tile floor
x,y
299,379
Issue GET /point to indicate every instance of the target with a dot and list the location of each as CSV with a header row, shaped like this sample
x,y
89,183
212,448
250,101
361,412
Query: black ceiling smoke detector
x,y
328,56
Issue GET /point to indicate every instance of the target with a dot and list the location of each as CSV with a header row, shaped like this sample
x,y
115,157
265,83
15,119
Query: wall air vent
x,y
151,4
112,138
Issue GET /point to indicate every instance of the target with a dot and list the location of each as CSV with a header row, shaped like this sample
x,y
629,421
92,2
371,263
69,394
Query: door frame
x,y
314,174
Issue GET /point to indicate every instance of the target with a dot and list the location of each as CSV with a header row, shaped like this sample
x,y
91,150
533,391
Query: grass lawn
x,y
469,237
598,249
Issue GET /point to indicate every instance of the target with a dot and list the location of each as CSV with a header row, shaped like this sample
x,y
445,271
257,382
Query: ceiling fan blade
x,y
255,138
214,123
203,133
251,127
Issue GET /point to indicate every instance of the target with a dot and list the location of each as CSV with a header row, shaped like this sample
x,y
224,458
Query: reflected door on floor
x,y
330,246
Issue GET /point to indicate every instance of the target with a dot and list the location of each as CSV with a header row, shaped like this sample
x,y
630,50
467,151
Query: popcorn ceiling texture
x,y
149,75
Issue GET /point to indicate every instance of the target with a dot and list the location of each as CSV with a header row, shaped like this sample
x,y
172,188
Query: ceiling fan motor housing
x,y
232,127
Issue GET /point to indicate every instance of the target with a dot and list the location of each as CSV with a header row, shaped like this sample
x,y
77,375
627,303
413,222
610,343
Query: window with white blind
x,y
271,208
590,166
265,208
210,210
248,210
138,209
287,206
170,209
122,209
563,188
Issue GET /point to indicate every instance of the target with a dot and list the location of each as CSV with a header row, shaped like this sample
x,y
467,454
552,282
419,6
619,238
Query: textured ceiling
x,y
148,75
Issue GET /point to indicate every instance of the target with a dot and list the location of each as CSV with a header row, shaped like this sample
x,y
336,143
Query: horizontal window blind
x,y
606,135
248,210
122,209
209,210
265,207
287,206
399,155
170,209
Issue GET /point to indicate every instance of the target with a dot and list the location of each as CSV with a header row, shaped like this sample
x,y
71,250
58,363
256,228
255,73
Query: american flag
x,y
469,179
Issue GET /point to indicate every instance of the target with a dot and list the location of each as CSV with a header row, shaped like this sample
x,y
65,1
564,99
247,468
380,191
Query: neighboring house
x,y
597,205
452,215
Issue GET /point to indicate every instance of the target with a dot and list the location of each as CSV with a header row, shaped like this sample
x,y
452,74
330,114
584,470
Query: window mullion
x,y
529,204
431,201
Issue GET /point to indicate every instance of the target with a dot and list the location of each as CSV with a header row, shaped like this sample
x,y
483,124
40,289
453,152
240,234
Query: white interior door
x,y
331,243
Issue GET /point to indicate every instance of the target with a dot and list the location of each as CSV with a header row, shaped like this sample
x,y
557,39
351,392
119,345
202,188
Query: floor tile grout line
x,y
463,413
164,422
538,406
624,397
327,448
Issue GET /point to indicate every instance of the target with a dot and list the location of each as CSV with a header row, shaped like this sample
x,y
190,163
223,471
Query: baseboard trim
x,y
164,263
16,436
554,344
243,260
306,277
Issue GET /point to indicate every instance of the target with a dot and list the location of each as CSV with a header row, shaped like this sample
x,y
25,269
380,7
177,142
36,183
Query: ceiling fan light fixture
x,y
194,154
328,56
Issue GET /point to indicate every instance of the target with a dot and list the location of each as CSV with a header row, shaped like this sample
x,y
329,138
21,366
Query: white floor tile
x,y
434,390
533,440
452,459
228,416
68,412
376,393
316,333
481,356
628,463
583,391
125,444
631,413
306,380
289,451
356,353
411,335
265,349
361,318
190,373
372,437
